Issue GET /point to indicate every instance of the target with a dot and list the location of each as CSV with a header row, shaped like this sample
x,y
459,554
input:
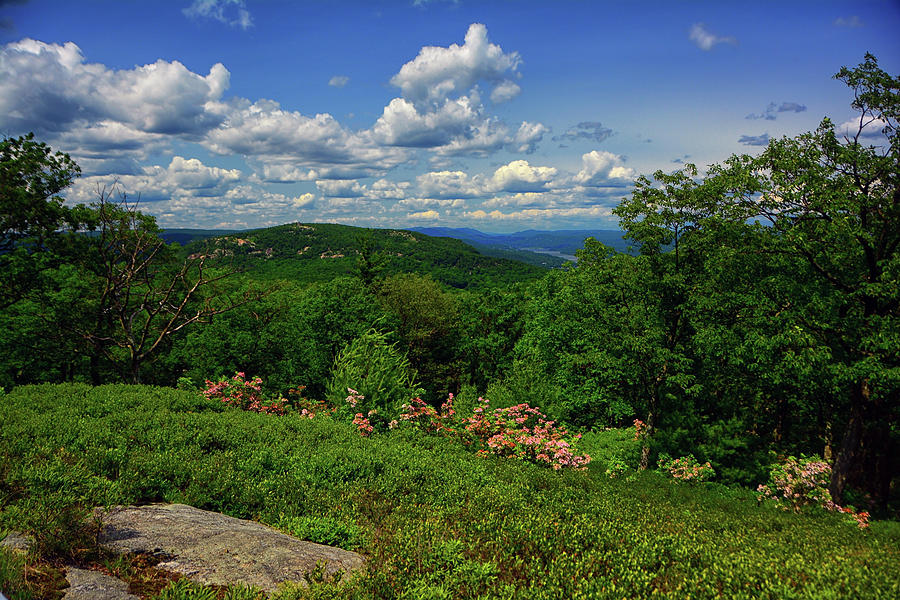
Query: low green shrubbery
x,y
322,530
13,582
612,448
433,519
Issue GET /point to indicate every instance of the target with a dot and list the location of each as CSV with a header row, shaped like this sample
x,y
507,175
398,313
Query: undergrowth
x,y
433,519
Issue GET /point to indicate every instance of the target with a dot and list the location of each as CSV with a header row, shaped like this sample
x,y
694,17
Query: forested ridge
x,y
349,243
757,321
321,251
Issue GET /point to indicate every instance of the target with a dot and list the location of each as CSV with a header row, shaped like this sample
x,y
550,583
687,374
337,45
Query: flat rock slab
x,y
212,548
16,541
91,585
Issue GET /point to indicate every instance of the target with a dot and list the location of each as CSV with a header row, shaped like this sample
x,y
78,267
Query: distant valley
x,y
560,245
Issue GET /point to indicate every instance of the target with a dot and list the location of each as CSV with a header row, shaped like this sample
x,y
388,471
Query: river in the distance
x,y
556,253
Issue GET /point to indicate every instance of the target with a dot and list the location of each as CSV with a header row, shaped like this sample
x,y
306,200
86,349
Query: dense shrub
x,y
686,468
377,371
245,394
795,483
520,432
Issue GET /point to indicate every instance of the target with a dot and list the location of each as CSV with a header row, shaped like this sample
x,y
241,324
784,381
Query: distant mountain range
x,y
186,236
561,243
544,249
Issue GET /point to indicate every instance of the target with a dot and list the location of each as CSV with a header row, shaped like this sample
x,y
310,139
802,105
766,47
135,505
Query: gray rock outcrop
x,y
91,585
16,541
212,548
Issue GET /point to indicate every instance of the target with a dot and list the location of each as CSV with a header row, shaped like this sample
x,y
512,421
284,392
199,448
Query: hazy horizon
x,y
411,227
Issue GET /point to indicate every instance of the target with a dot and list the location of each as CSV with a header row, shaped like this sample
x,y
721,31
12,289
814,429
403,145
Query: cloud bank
x,y
116,121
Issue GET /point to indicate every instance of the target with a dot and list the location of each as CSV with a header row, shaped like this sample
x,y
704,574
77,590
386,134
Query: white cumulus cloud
x,y
383,189
50,88
97,111
519,200
528,135
113,121
872,128
189,191
438,72
339,81
304,200
600,168
705,39
519,176
425,215
422,203
402,124
262,199
447,184
294,147
505,90
441,108
341,188
182,176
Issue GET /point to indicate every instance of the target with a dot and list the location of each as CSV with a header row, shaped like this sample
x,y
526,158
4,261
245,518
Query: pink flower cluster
x,y
687,468
520,431
795,483
861,517
427,418
247,395
641,430
363,425
308,408
353,397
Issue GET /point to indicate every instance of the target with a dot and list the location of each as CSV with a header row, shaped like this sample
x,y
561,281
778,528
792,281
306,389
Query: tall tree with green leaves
x,y
797,264
32,211
833,201
145,294
427,326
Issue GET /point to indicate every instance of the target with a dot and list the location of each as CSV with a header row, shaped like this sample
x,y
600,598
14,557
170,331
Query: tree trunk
x,y
95,367
645,442
135,371
865,459
880,455
645,456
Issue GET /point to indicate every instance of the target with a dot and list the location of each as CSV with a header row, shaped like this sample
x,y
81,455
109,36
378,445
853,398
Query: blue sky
x,y
497,115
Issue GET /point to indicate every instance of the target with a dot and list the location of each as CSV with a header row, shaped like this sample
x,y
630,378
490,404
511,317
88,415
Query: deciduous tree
x,y
144,294
31,211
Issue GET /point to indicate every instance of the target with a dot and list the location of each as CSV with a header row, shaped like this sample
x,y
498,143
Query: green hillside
x,y
323,251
